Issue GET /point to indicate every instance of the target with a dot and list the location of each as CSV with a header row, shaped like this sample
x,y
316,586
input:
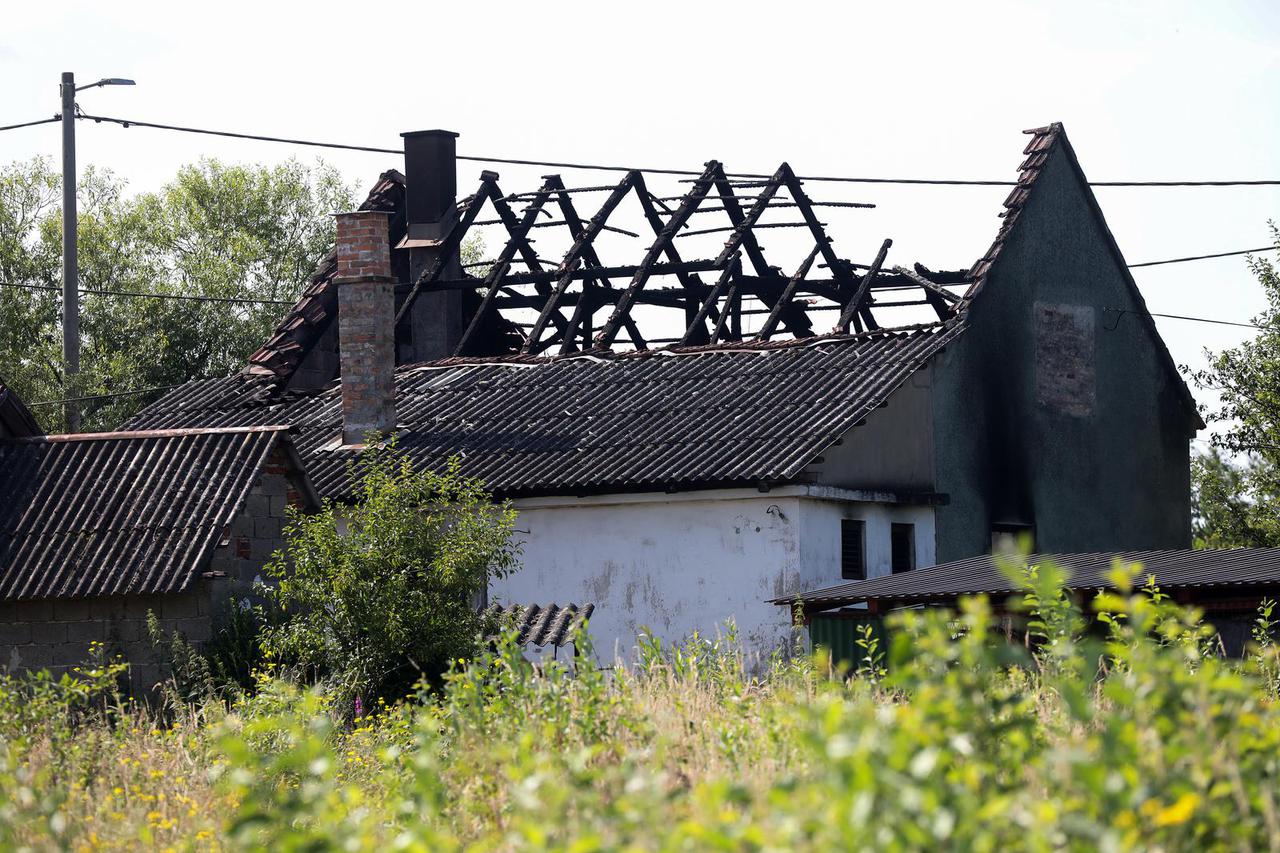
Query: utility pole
x,y
70,263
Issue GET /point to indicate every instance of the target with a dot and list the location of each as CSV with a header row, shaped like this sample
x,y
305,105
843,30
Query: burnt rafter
x,y
556,303
573,258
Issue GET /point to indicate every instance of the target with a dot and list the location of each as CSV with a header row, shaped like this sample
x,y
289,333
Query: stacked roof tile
x,y
116,513
713,416
536,625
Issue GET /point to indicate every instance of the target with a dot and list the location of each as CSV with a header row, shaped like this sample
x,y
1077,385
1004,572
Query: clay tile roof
x,y
1037,154
116,513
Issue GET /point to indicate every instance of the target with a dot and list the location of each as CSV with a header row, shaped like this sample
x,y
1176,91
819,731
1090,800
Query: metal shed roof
x,y
695,417
116,513
1224,567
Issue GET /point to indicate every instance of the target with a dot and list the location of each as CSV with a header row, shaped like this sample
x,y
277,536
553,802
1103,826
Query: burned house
x,y
689,430
98,530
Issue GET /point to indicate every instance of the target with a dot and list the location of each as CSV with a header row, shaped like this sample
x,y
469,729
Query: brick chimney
x,y
431,195
366,325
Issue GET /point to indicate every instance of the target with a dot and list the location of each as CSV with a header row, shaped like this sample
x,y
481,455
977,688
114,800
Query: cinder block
x,y
71,609
125,631
48,633
70,654
15,633
84,632
182,606
28,611
197,630
267,528
35,656
110,608
256,505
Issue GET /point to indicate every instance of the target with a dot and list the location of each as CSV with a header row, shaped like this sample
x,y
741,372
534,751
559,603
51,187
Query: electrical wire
x,y
1208,320
1203,257
234,300
30,123
109,396
657,171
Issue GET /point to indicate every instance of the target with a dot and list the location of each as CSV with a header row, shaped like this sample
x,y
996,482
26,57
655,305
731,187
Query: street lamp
x,y
70,264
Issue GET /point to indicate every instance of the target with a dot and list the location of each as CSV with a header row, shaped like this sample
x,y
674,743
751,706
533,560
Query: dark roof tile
x,y
116,513
733,414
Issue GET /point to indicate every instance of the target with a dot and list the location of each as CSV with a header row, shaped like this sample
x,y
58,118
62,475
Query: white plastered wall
x,y
691,561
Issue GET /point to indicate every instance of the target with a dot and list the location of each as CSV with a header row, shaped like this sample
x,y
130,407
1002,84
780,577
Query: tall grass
x,y
953,739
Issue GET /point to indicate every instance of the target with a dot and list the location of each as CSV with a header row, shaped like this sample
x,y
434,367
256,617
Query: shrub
x,y
384,592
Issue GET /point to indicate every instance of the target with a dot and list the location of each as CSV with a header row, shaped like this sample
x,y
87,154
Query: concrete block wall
x,y
258,531
55,634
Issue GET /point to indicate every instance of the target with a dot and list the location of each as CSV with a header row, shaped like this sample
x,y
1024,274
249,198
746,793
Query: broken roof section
x,y
124,513
693,272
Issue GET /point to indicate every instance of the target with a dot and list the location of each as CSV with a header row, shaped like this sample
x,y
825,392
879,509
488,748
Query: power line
x,y
1120,312
1208,320
30,123
658,171
235,300
109,396
131,123
1203,257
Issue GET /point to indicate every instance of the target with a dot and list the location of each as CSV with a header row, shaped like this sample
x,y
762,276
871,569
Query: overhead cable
x,y
30,123
235,300
659,171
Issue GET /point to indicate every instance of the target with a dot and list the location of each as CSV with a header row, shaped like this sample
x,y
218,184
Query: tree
x,y
373,597
1237,503
247,232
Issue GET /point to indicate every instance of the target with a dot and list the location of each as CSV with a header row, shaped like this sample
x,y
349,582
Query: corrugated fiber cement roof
x,y
725,415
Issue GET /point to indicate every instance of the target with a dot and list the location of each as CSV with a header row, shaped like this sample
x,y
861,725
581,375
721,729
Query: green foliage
x,y
251,232
383,593
1132,738
1237,503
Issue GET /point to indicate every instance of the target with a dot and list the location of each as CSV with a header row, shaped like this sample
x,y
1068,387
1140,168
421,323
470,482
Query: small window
x,y
903,547
1012,539
853,562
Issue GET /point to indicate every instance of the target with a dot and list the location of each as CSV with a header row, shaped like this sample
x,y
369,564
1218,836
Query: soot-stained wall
x,y
1055,408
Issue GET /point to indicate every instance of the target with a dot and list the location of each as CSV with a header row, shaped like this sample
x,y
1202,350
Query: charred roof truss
x,y
577,303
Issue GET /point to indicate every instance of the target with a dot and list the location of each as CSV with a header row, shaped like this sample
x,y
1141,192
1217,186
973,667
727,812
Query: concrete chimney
x,y
431,195
366,325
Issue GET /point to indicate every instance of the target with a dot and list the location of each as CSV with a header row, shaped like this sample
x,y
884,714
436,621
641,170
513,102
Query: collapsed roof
x,y
704,278
560,385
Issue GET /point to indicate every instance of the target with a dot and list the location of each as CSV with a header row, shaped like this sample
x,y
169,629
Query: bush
x,y
1133,737
382,593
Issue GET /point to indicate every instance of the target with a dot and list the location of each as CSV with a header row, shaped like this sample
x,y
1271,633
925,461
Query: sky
x,y
1146,91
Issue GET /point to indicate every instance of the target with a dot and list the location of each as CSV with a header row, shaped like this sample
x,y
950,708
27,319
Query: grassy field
x,y
951,739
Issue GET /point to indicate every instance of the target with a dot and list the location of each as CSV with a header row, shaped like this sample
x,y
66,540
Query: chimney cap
x,y
415,133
